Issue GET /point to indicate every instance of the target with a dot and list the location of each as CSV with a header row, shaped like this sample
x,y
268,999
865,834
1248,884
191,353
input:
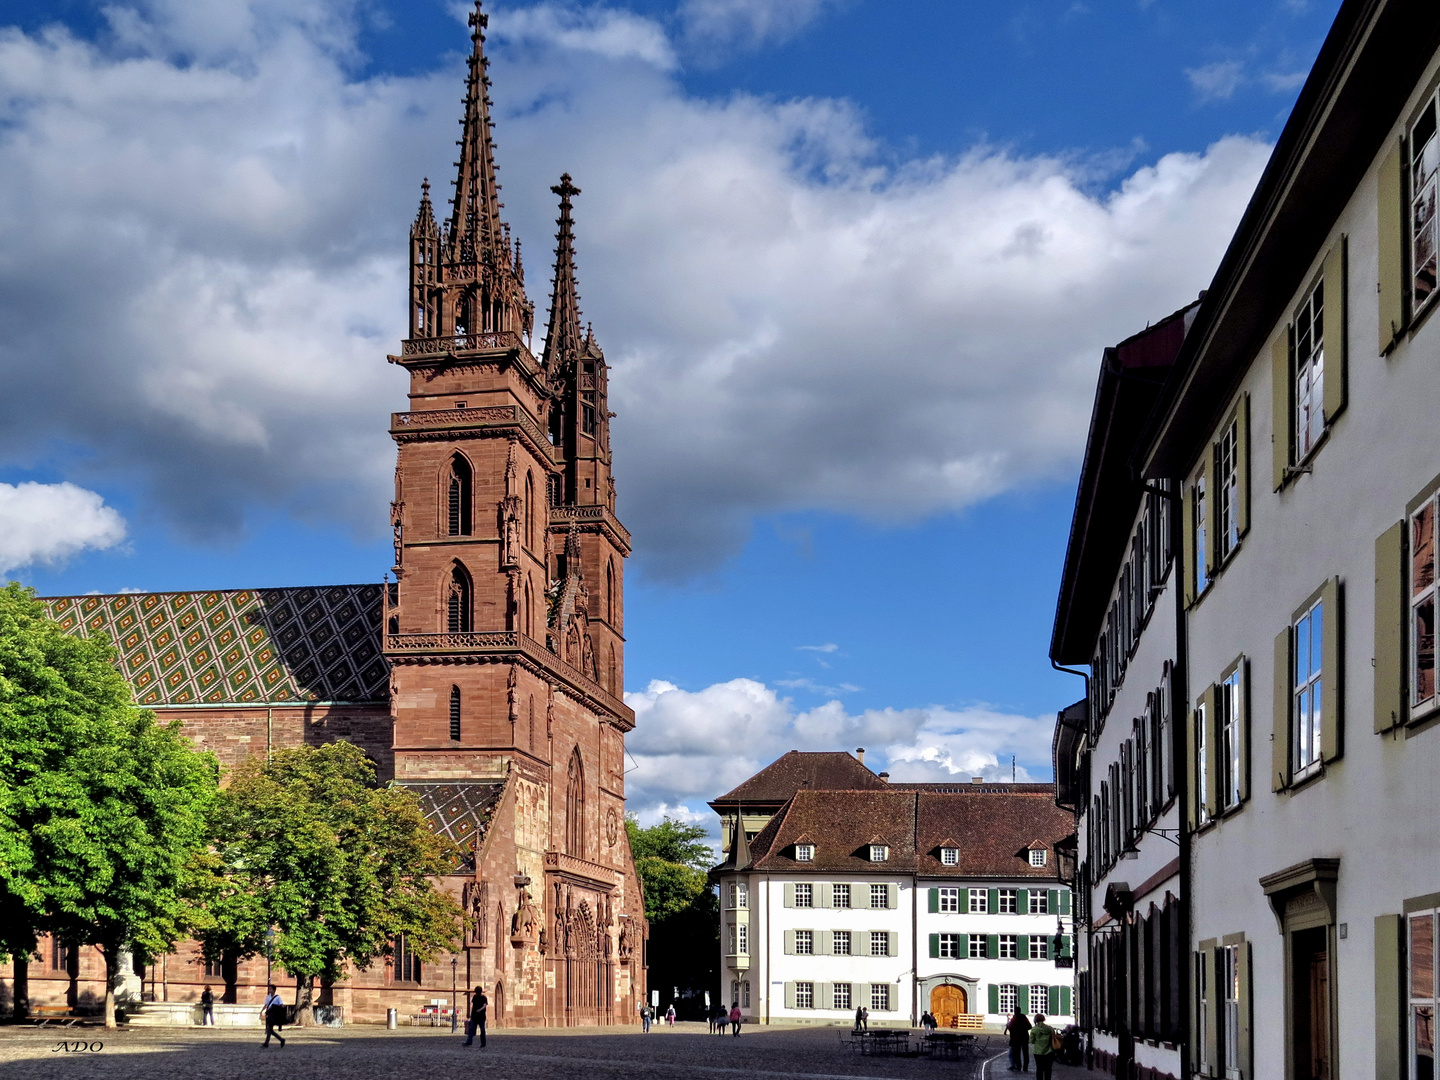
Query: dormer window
x,y
950,856
1037,856
879,852
804,852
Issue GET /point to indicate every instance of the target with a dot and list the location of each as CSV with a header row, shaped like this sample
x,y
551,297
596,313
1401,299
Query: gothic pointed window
x,y
528,529
613,672
529,609
610,592
458,516
455,713
575,807
458,603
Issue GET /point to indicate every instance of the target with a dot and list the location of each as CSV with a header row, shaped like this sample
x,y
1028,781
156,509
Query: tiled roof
x,y
992,829
460,811
240,646
822,771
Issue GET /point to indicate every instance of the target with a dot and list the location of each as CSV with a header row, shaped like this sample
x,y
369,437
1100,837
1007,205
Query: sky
x,y
853,265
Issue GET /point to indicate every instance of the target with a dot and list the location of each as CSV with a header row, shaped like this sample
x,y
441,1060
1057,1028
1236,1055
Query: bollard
x,y
392,1018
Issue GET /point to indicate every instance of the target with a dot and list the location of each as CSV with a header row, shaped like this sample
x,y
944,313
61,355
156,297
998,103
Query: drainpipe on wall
x,y
1082,1012
269,731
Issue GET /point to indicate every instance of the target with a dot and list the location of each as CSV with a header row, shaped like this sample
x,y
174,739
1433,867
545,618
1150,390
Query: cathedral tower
x,y
505,624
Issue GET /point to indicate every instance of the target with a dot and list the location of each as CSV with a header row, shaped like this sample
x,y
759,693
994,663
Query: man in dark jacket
x,y
1018,1028
479,1004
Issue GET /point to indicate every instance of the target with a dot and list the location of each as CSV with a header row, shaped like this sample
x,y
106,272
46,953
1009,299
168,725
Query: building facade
x,y
487,678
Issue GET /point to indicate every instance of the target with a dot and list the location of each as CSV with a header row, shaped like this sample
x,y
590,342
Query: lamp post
x,y
454,1015
269,948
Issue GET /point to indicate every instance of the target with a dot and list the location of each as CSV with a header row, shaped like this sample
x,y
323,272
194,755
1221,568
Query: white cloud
x,y
227,214
828,647
48,523
1217,81
691,746
712,24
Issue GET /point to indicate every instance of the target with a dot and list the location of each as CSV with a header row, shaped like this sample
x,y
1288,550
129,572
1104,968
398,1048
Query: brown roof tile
x,y
822,771
991,830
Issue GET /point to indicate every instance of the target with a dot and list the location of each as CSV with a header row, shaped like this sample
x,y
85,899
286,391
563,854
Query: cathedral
x,y
487,678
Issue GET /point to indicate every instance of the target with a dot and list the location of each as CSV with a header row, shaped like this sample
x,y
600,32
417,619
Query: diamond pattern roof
x,y
240,646
460,811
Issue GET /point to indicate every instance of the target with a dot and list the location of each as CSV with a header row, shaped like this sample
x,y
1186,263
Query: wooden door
x,y
947,1002
1320,1016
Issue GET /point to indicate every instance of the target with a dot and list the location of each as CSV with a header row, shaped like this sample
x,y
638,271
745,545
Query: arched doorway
x,y
947,1002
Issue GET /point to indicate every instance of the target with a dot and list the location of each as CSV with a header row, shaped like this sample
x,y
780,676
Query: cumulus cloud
x,y
1217,81
691,746
48,523
205,218
711,24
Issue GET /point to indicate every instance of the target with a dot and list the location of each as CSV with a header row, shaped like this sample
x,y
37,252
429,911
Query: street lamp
x,y
269,948
454,1015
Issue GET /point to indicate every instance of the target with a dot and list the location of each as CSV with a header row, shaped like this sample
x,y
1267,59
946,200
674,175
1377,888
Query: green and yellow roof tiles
x,y
240,646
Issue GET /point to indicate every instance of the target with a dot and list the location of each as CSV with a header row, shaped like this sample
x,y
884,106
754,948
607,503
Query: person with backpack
x,y
274,1012
1044,1041
644,1017
207,1008
479,1006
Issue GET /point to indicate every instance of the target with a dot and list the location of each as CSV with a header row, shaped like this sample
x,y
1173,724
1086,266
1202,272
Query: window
x,y
1230,706
804,852
1307,691
840,896
1039,948
1039,902
457,602
1007,997
1422,994
1203,1020
735,990
455,713
575,806
949,946
949,900
742,941
1202,764
880,997
1229,972
840,995
804,942
950,856
1197,528
1037,856
734,939
739,895
1424,168
840,943
879,896
1227,473
744,994
1040,998
804,895
979,901
1009,947
459,497
62,955
879,943
1422,603
407,964
214,969
804,995
879,853
1310,371
1009,901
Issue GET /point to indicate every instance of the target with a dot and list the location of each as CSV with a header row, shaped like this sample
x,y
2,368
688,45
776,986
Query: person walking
x,y
670,1016
1018,1028
1042,1045
479,1005
735,1019
274,1012
644,1017
207,1008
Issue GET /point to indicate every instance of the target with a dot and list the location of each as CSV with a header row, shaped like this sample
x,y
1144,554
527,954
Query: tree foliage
x,y
681,907
311,844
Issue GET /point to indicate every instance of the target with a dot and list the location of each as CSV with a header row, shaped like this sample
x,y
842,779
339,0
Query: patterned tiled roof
x,y
460,811
240,646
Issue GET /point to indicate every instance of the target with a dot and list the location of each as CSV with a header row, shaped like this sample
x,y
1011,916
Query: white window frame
x,y
742,939
1039,999
1424,182
1199,530
882,894
1230,1010
979,901
949,856
1420,993
1008,901
804,852
840,896
1307,690
804,995
1008,996
880,997
744,994
1040,902
949,901
949,946
1227,470
1009,946
880,939
840,943
804,942
840,994
1230,706
1039,947
1039,857
804,894
879,853
1308,372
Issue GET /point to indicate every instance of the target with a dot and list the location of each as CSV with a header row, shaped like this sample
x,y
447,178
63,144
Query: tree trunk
x,y
21,960
230,972
304,1000
112,976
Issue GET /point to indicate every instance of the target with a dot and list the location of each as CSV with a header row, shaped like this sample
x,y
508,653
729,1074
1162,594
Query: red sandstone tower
x,y
504,629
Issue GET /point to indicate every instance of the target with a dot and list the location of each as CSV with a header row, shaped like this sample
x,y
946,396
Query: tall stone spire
x,y
563,339
476,234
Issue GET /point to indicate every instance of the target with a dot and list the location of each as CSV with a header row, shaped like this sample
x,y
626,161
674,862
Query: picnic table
x,y
948,1044
884,1041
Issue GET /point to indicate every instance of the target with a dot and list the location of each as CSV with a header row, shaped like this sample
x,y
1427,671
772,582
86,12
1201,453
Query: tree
x,y
101,808
681,906
311,844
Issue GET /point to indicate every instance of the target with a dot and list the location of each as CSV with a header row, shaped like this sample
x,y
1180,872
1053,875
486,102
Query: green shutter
x,y
1390,203
1064,901
964,947
1064,1009
1281,410
1022,946
934,900
1212,752
1246,1037
1242,464
1065,940
994,1000
1052,907
1390,1019
789,894
1331,738
934,946
1335,329
964,901
1022,998
1022,901
994,901
789,942
1052,1002
1390,619
1187,518
1280,717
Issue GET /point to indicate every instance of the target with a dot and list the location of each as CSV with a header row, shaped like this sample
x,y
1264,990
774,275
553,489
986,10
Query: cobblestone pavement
x,y
363,1053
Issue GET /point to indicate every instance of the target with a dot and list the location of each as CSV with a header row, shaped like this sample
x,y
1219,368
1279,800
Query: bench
x,y
62,1015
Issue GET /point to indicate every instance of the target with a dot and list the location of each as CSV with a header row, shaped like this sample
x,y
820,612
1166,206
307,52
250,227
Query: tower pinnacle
x,y
563,339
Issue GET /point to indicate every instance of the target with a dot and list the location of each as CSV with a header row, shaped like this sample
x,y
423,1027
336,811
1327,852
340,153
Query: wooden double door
x,y
948,1002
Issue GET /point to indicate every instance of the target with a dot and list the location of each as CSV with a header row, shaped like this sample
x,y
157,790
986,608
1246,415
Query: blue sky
x,y
853,264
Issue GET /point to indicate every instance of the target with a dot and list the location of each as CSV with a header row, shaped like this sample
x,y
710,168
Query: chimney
x,y
977,779
885,776
860,754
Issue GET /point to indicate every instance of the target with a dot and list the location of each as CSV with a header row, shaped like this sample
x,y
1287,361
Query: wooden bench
x,y
44,1015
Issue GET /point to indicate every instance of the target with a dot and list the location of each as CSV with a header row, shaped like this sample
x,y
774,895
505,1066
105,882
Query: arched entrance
x,y
947,1002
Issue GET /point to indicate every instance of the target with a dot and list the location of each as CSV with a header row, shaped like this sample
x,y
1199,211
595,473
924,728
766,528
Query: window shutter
x,y
1022,946
1331,720
1212,515
860,894
1212,751
964,947
964,901
1280,720
1390,203
992,946
1064,1001
1281,409
824,995
789,894
1243,706
994,901
790,995
1052,1004
892,943
1022,901
934,946
1053,907
1334,329
934,900
892,895
994,995
1022,998
1064,901
1245,1041
826,894
1065,945
1242,464
789,942
1390,619
1390,997
1208,957
1192,775
826,943
1187,517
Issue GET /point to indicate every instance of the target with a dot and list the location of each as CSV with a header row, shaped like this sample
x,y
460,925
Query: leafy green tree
x,y
681,906
311,844
101,808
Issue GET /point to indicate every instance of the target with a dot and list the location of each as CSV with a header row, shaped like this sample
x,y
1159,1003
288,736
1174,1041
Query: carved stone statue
x,y
511,533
